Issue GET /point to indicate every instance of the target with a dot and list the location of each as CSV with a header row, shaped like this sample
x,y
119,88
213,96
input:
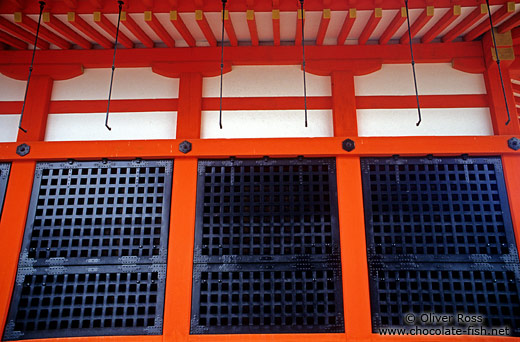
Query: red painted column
x,y
344,104
190,106
36,109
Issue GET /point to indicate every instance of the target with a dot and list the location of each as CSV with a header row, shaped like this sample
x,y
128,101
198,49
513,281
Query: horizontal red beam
x,y
56,24
178,23
324,24
371,25
101,20
21,34
12,41
32,26
396,23
437,29
75,20
418,24
280,147
497,17
260,55
466,23
257,103
136,30
201,20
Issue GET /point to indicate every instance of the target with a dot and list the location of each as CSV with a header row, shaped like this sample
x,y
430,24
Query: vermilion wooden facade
x,y
191,64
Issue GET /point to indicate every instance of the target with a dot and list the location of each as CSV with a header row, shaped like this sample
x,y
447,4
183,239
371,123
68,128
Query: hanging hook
x,y
303,65
121,3
498,63
413,65
222,60
42,5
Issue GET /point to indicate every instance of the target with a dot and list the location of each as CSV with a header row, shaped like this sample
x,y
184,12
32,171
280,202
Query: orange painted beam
x,y
177,302
344,115
201,20
12,227
97,106
347,26
79,23
32,26
371,25
396,23
324,24
510,23
190,106
36,109
251,24
21,34
136,30
276,26
157,27
230,30
466,23
437,29
12,41
300,20
65,31
418,24
102,21
280,147
178,23
501,14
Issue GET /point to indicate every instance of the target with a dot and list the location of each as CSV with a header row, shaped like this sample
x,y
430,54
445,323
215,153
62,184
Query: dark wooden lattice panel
x,y
98,213
87,301
267,245
4,178
440,239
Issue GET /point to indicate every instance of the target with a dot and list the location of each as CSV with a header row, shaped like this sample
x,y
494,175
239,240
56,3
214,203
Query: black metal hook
x,y
303,64
121,3
498,63
413,65
42,5
222,60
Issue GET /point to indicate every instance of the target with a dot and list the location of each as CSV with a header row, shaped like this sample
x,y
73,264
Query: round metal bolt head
x,y
185,146
23,150
349,145
514,144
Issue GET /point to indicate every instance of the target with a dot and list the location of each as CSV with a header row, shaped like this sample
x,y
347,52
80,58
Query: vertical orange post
x,y
190,106
356,295
12,227
177,305
36,109
344,104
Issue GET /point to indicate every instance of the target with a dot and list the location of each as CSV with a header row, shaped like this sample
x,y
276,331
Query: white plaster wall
x,y
269,81
129,83
432,79
11,90
435,122
267,124
9,127
125,126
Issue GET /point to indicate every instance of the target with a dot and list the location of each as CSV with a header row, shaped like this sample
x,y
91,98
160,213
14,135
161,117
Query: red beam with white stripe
x,y
347,26
324,24
371,25
437,29
501,14
79,23
20,33
12,41
510,23
466,23
65,31
111,29
157,27
201,20
32,26
396,23
178,23
418,24
136,30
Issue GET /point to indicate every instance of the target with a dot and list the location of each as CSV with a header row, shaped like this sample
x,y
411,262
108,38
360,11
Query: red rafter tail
x,y
65,31
396,23
418,24
510,23
79,23
136,30
515,34
251,24
230,30
371,25
178,23
450,16
201,20
20,33
111,29
157,27
501,14
12,41
276,26
324,24
32,26
347,26
467,22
